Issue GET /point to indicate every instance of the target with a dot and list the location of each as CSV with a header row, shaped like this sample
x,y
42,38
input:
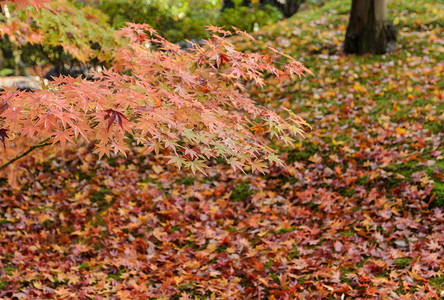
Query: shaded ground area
x,y
357,212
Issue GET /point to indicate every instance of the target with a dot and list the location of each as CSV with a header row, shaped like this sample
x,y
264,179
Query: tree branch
x,y
32,148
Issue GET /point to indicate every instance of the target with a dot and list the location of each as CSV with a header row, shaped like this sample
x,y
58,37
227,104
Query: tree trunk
x,y
368,30
287,7
231,4
227,4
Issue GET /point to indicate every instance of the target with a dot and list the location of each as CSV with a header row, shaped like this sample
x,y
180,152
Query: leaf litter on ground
x,y
356,213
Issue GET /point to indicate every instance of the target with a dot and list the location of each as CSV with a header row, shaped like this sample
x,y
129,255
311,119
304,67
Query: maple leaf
x,y
22,4
3,106
243,33
214,29
102,149
223,58
120,147
258,165
236,164
62,137
196,165
114,116
179,161
3,136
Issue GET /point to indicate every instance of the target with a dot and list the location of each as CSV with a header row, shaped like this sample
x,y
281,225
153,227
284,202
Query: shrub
x,y
64,33
175,20
249,18
178,20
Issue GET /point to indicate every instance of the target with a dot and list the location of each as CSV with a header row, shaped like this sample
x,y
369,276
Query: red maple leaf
x,y
3,106
3,136
224,58
114,116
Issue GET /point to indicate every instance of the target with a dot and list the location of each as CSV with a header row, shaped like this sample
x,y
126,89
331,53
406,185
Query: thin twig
x,y
32,148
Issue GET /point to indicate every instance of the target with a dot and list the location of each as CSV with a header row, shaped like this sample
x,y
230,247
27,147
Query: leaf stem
x,y
32,148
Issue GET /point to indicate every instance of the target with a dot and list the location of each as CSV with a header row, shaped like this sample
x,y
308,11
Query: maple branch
x,y
32,148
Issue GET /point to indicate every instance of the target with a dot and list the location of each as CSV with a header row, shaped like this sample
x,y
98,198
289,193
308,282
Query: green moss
x,y
285,230
175,228
293,252
345,271
2,284
268,264
210,179
69,228
405,170
362,180
402,262
112,160
114,276
97,247
83,266
99,196
438,191
117,275
362,262
80,176
3,181
98,220
302,154
241,192
313,205
345,192
187,286
9,269
348,233
234,229
187,181
5,221
340,137
221,248
437,282
48,224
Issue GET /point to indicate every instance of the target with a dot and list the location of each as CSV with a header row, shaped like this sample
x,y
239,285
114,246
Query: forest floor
x,y
358,211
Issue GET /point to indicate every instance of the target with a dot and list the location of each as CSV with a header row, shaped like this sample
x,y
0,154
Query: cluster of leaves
x,y
81,32
192,103
68,32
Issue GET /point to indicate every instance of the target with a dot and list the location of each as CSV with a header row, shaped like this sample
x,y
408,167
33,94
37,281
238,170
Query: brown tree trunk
x,y
287,7
368,30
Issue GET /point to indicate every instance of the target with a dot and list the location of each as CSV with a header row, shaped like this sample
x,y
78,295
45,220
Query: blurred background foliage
x,y
179,20
74,29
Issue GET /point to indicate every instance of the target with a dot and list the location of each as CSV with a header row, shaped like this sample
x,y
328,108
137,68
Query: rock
x,y
21,82
73,71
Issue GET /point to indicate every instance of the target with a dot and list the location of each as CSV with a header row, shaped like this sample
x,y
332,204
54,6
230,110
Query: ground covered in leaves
x,y
358,212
